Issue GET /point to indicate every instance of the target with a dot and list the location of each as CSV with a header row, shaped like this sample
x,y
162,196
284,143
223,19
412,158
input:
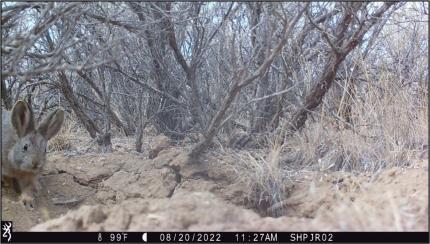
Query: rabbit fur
x,y
24,147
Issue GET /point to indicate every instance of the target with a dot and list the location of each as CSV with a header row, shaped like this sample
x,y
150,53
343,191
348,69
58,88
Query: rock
x,y
159,144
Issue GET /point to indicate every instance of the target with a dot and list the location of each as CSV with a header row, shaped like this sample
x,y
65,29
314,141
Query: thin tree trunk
x,y
316,95
106,143
74,104
240,83
5,96
168,120
139,133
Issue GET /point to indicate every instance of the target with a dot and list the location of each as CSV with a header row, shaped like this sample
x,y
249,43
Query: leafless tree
x,y
202,67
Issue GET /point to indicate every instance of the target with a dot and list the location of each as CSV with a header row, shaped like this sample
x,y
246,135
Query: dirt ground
x,y
83,190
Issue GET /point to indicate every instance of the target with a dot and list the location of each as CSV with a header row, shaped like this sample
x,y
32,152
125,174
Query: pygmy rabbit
x,y
23,152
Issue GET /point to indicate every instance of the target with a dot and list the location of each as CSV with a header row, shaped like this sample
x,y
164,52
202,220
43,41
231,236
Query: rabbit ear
x,y
51,124
22,118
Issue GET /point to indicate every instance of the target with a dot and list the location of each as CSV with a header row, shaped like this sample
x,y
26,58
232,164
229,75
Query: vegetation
x,y
328,86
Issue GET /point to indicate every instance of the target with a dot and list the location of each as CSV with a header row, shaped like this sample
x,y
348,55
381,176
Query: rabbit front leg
x,y
6,181
10,182
28,186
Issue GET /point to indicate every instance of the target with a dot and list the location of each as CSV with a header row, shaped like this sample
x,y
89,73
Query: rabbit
x,y
23,152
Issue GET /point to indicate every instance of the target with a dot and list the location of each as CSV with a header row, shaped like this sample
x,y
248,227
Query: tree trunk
x,y
240,83
107,91
74,104
6,96
315,96
166,115
338,54
140,116
112,115
264,110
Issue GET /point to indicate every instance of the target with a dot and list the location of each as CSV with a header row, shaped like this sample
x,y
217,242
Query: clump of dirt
x,y
126,191
159,144
192,211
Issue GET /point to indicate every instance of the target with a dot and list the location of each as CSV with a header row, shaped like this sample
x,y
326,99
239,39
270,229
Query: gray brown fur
x,y
24,146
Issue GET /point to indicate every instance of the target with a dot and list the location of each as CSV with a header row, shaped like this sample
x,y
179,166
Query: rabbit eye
x,y
25,147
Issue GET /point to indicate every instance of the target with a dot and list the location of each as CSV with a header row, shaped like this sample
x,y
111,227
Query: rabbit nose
x,y
34,164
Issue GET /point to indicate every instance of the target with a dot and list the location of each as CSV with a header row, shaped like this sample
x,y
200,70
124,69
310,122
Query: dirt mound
x,y
193,211
70,181
393,200
126,191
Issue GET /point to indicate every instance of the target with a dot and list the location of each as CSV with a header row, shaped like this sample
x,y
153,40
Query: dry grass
x,y
389,127
266,184
64,139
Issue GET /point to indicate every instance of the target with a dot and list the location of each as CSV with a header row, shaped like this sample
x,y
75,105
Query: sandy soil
x,y
126,191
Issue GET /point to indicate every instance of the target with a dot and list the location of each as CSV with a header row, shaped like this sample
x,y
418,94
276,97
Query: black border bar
x,y
235,237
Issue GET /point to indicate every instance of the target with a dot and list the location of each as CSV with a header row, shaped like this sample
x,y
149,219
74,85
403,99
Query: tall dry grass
x,y
389,128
